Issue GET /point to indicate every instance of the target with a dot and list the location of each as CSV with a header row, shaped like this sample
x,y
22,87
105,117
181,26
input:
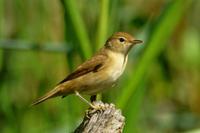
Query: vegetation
x,y
42,41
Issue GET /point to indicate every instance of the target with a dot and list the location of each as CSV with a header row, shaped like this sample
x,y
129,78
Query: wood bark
x,y
103,119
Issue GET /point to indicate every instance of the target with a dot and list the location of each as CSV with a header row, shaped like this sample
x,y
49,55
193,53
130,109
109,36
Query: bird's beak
x,y
136,41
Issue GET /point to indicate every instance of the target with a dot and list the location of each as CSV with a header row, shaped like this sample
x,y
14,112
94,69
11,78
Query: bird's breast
x,y
117,65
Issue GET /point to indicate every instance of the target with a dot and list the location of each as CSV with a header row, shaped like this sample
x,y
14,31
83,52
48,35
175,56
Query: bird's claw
x,y
98,106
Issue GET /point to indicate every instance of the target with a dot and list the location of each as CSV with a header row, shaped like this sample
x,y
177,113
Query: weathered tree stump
x,y
107,119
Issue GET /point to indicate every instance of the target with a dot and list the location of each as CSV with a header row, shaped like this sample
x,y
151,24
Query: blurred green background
x,y
41,41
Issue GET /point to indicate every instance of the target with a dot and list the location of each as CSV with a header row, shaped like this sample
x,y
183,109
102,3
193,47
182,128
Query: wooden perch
x,y
107,119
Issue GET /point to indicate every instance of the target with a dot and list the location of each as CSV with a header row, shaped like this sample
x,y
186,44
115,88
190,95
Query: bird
x,y
98,73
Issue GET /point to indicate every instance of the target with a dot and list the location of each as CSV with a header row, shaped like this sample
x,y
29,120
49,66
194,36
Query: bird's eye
x,y
121,39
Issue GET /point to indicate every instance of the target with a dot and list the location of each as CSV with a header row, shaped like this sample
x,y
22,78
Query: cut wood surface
x,y
105,119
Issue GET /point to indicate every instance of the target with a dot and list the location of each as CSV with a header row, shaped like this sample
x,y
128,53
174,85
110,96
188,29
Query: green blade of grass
x,y
162,31
79,27
103,23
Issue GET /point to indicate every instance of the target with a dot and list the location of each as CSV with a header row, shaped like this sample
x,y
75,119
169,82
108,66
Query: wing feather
x,y
92,65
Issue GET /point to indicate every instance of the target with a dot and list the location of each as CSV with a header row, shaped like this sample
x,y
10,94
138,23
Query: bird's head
x,y
121,42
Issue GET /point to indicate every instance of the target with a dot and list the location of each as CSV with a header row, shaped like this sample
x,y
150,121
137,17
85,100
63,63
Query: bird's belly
x,y
98,84
101,81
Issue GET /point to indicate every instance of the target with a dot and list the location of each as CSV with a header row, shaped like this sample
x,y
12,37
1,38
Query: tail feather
x,y
50,94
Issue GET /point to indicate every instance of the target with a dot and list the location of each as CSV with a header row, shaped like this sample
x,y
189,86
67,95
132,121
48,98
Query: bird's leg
x,y
83,99
86,101
93,98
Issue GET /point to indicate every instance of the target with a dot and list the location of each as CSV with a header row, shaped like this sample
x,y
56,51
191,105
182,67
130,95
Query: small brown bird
x,y
99,72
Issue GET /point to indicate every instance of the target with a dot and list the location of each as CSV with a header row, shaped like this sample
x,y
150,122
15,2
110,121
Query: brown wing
x,y
92,65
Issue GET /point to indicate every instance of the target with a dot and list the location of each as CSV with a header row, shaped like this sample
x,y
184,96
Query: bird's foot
x,y
98,106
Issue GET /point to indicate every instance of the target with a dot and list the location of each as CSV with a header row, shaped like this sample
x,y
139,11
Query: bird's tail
x,y
53,93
